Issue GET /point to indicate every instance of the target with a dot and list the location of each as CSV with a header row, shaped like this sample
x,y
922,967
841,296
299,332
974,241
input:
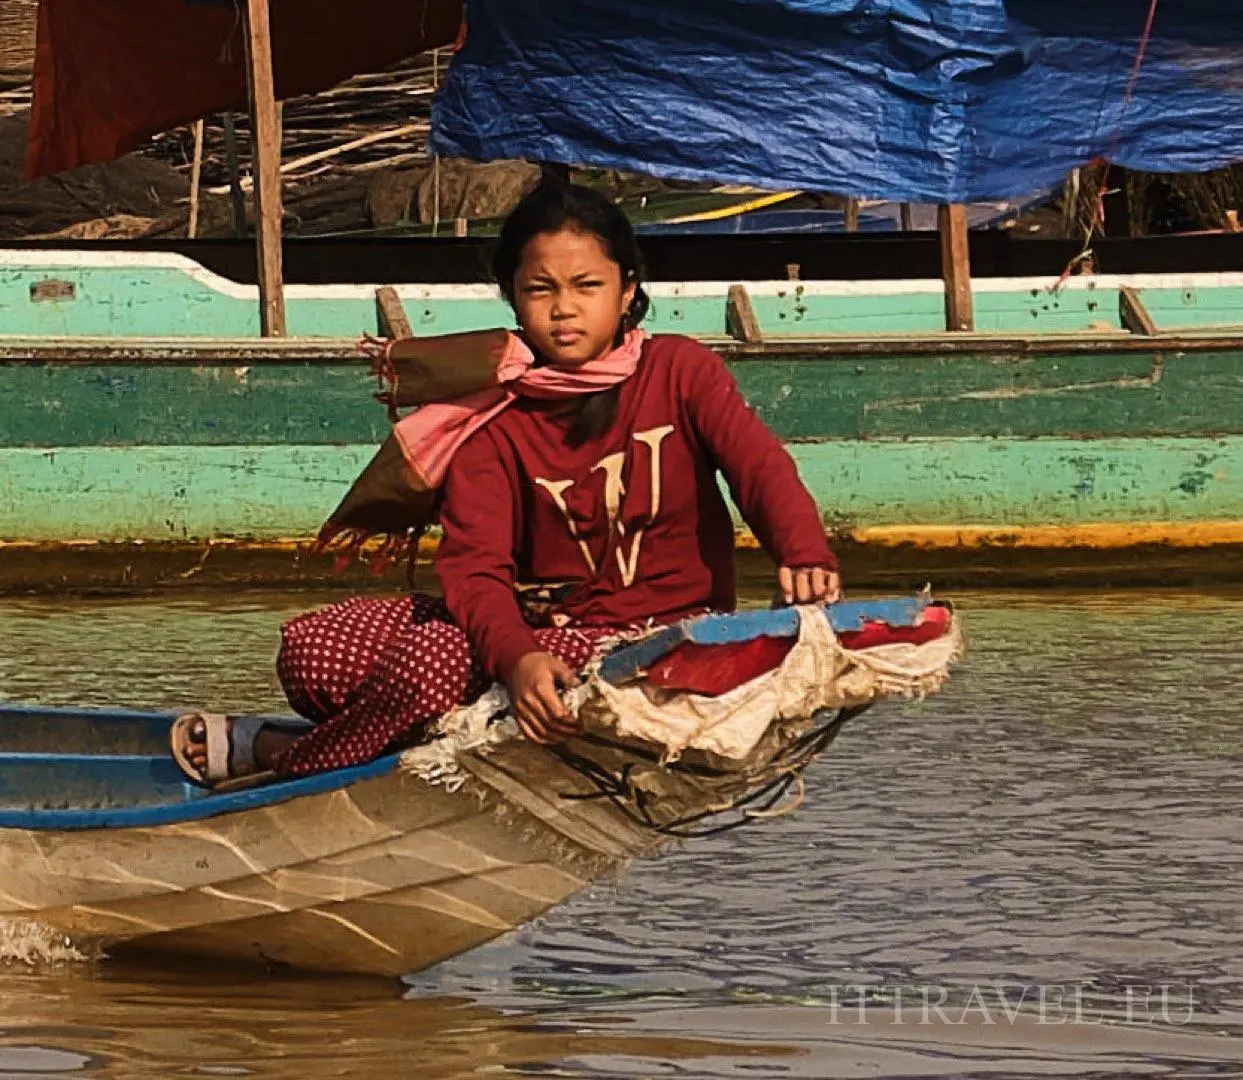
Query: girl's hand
x,y
807,585
533,695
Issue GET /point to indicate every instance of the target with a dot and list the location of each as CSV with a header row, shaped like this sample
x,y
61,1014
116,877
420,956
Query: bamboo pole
x,y
331,152
236,199
265,127
955,266
196,175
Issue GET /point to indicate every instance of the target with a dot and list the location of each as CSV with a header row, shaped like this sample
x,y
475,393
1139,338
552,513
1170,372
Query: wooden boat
x,y
383,868
1085,432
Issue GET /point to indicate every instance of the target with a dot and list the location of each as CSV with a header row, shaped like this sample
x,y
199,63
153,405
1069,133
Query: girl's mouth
x,y
566,337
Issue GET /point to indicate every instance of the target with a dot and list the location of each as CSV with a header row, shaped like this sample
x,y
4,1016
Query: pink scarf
x,y
432,434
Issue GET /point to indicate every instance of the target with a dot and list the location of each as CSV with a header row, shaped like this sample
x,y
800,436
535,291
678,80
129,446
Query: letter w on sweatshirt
x,y
613,467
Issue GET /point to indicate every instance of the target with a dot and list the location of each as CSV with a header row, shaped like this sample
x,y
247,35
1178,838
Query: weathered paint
x,y
156,493
1022,452
890,558
1105,535
874,397
132,294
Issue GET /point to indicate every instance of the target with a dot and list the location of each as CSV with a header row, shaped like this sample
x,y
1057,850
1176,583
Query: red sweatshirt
x,y
634,517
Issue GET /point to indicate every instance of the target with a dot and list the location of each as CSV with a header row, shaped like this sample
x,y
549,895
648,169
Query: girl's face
x,y
569,296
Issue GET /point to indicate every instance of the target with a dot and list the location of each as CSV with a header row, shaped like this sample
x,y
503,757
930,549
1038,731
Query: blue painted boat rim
x,y
736,627
197,809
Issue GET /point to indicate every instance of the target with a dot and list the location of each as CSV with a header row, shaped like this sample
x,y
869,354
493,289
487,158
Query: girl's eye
x,y
535,290
589,285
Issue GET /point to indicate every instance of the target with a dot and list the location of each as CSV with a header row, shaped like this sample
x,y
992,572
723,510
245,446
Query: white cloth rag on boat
x,y
818,673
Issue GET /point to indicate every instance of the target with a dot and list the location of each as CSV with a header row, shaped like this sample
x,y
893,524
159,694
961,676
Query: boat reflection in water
x,y
141,1024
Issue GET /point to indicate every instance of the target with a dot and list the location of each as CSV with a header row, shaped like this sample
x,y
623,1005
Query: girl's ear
x,y
628,294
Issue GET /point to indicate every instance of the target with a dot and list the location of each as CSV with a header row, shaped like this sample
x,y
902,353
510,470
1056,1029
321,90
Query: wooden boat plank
x,y
310,421
51,781
392,934
980,510
233,351
34,729
385,875
147,881
434,859
135,861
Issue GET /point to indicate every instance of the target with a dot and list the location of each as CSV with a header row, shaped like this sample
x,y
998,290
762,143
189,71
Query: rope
x,y
1128,95
788,764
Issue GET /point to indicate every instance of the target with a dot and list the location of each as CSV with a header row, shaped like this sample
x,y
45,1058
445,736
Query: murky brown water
x,y
1040,872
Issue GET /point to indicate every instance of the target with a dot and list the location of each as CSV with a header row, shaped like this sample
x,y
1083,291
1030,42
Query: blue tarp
x,y
923,100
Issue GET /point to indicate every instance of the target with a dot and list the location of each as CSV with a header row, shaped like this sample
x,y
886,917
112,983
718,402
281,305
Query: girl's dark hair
x,y
553,206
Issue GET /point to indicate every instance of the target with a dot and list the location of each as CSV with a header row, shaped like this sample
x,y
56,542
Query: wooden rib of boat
x,y
370,869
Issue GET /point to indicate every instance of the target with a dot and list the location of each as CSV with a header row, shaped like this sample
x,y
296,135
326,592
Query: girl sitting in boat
x,y
589,469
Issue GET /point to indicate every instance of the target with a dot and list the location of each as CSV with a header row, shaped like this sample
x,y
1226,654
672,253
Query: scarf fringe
x,y
346,546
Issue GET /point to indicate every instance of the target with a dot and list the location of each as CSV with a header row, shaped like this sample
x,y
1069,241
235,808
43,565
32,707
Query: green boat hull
x,y
149,438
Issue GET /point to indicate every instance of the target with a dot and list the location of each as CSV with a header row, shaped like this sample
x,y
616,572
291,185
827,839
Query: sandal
x,y
230,743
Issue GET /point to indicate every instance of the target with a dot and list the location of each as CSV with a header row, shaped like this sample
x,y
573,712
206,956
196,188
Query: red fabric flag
x,y
111,73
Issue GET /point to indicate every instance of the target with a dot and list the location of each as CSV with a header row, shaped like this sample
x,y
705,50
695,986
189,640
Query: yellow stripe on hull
x,y
1104,535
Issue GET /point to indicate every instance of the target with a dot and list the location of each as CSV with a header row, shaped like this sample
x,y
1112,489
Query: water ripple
x,y
1066,815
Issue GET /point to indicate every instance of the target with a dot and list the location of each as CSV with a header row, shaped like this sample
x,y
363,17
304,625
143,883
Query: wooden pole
x,y
196,176
852,215
265,123
436,195
905,218
236,198
1070,204
955,266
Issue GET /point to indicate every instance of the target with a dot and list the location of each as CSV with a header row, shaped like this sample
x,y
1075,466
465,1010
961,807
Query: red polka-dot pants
x,y
369,670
